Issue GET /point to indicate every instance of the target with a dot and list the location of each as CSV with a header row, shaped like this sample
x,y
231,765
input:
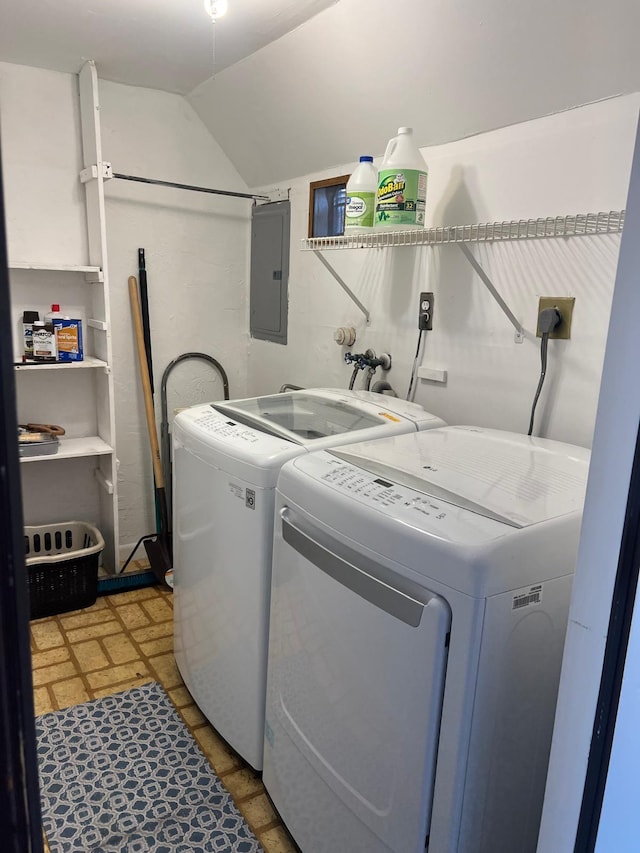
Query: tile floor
x,y
124,640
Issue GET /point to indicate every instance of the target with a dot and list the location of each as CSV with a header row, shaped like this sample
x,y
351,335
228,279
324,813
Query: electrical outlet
x,y
564,304
425,312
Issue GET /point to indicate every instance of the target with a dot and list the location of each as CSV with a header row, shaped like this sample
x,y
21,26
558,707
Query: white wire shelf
x,y
573,225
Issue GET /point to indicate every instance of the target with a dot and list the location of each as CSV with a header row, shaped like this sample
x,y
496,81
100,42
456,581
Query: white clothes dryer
x,y
420,597
226,459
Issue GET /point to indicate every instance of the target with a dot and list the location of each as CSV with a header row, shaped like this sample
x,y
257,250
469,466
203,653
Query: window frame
x,y
314,186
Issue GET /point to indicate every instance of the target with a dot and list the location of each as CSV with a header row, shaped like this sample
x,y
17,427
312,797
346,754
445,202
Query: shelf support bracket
x,y
342,284
91,173
106,484
466,251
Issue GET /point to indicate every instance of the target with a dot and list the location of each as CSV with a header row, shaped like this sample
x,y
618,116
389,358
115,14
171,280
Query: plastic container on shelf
x,y
361,198
401,193
54,314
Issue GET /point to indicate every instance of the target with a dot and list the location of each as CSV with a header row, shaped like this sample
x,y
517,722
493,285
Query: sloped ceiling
x,y
160,44
298,86
342,84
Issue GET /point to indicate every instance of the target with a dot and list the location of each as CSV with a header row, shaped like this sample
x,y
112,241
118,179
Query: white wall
x,y
41,154
347,78
577,161
196,245
197,264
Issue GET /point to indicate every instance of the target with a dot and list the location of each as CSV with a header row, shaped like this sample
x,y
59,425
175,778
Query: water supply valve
x,y
369,359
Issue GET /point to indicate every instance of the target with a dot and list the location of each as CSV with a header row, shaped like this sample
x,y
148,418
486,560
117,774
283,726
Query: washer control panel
x,y
213,424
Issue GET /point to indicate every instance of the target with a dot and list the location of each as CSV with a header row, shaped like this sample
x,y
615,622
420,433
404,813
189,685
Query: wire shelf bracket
x,y
343,284
466,251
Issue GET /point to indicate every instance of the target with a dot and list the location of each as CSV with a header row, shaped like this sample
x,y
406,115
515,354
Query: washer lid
x,y
307,416
516,479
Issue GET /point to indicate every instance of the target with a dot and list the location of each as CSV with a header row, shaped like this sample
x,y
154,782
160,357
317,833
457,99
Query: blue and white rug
x,y
123,774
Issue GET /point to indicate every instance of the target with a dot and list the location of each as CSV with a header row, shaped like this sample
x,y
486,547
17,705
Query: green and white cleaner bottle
x,y
401,193
361,198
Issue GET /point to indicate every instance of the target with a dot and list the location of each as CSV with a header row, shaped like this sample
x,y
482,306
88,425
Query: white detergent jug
x,y
361,198
402,185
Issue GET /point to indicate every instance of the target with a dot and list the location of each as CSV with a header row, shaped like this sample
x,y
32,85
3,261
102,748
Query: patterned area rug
x,y
123,774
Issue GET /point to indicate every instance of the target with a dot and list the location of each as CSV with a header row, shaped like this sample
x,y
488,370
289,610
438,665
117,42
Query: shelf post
x,y
93,175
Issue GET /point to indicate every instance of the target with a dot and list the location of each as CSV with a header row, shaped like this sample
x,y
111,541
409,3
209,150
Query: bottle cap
x,y
366,159
405,130
55,307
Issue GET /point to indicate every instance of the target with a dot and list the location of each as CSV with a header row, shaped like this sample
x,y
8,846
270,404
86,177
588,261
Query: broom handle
x,y
146,382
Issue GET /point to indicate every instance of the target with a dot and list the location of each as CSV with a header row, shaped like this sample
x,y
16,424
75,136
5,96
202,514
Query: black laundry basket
x,y
62,566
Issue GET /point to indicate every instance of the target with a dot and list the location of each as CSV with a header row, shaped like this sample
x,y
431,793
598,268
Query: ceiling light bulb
x,y
216,8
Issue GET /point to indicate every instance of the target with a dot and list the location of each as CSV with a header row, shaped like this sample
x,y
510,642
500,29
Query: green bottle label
x,y
401,197
359,210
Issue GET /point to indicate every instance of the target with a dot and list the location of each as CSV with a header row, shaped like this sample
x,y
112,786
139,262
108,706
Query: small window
x,y
326,206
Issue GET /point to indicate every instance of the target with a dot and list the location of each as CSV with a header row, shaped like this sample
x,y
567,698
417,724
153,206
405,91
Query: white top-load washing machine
x,y
226,459
420,595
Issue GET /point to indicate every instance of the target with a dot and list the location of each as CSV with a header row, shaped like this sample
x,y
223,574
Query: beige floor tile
x,y
156,647
46,635
180,697
242,783
134,595
120,648
259,812
42,701
193,716
220,755
277,840
92,632
153,632
158,609
119,688
90,655
116,674
71,692
133,616
87,617
56,672
166,670
39,659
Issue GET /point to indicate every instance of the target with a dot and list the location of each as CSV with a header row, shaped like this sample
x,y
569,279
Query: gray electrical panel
x,y
269,293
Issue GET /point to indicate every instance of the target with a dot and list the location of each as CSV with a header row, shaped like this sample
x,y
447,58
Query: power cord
x,y
414,370
548,320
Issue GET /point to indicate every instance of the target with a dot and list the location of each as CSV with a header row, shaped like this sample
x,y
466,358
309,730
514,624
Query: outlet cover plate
x,y
425,312
565,305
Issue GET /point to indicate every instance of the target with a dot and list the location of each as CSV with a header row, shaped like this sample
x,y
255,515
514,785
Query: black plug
x,y
548,320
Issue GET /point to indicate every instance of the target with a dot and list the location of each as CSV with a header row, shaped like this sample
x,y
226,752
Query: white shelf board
x,y
88,361
54,268
71,448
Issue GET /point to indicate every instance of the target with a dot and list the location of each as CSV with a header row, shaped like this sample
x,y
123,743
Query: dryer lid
x,y
516,479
